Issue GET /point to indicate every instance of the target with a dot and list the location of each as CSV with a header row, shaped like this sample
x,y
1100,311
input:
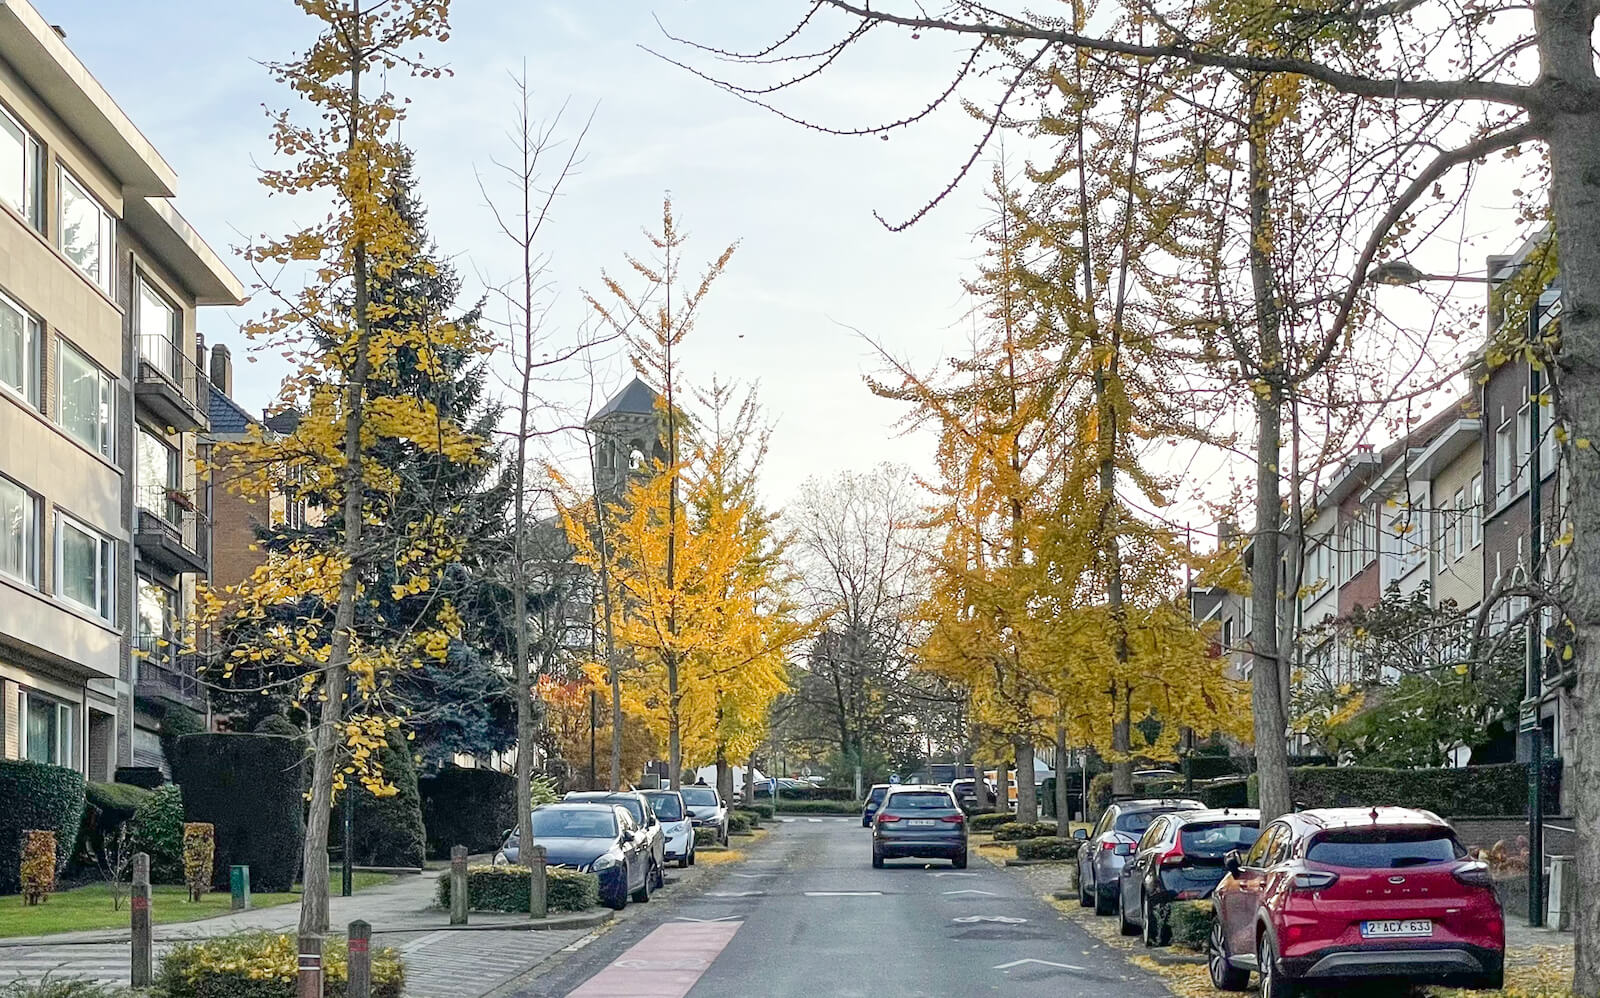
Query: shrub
x,y
705,837
108,810
1225,793
34,796
265,965
739,822
1187,923
61,987
199,849
765,810
1211,767
1047,847
988,821
388,830
250,788
466,807
1452,793
158,831
37,870
505,888
176,722
787,806
786,794
1013,831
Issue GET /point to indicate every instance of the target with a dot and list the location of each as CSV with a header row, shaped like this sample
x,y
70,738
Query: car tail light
x,y
887,818
954,819
1108,846
1314,880
1474,875
1173,858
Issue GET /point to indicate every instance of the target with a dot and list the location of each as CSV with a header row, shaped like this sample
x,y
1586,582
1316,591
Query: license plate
x,y
921,822
1400,928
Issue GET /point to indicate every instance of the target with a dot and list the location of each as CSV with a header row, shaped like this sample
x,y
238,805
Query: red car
x,y
1340,894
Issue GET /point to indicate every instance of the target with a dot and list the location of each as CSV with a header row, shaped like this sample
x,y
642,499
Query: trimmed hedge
x,y
738,821
388,830
108,808
1048,847
764,810
786,794
505,888
988,821
250,788
265,965
1452,793
787,806
158,831
34,796
1211,767
1013,831
1224,793
466,807
705,837
1184,923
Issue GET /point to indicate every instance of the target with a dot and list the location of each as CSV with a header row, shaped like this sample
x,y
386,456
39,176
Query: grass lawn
x,y
90,907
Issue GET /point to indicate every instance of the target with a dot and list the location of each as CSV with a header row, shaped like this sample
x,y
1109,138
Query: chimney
x,y
199,352
1494,265
60,31
222,369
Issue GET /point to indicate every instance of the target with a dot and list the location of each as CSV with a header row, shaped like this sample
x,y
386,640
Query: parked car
x,y
675,823
707,810
966,794
639,810
919,821
1330,895
874,799
1111,842
1180,858
593,838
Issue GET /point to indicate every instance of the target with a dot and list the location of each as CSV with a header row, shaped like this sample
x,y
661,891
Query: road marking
x,y
972,891
687,918
815,821
734,894
1002,919
947,873
844,894
752,876
665,964
1047,963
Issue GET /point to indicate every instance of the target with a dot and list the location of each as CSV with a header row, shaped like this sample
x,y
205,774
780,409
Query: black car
x,y
639,809
1180,858
873,802
919,821
602,839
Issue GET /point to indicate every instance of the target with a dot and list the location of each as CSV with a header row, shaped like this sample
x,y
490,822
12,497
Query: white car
x,y
675,822
707,810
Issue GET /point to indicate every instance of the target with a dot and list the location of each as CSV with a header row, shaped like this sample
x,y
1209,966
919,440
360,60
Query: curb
x,y
586,920
1035,862
1161,955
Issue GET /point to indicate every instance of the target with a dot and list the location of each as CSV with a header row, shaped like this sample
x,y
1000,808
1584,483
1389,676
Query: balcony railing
x,y
171,385
165,674
169,532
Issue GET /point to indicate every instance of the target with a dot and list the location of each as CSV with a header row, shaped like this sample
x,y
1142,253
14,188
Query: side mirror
x,y
1081,834
723,801
1233,862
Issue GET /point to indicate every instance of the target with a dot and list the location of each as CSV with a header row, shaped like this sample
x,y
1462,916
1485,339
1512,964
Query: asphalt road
x,y
806,915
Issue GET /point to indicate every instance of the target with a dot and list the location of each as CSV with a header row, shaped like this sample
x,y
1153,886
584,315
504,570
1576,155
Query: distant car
x,y
592,838
920,821
870,806
1180,858
1331,896
675,822
1156,774
1111,843
639,810
706,810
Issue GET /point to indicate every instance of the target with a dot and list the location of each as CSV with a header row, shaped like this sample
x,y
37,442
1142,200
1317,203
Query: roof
x,y
637,398
175,242
1146,803
1348,817
1216,813
226,414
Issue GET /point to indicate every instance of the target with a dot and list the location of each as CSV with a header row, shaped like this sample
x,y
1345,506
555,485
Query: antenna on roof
x,y
1374,814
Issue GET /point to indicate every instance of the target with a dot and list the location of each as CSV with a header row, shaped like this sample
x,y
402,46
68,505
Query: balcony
x,y
169,533
171,386
164,674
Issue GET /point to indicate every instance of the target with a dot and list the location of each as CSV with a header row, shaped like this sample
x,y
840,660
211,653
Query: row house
x,y
101,403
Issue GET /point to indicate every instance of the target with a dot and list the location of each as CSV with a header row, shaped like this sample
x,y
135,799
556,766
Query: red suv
x,y
1327,896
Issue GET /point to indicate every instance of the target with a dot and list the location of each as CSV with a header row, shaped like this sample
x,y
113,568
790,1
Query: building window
x,y
1475,517
158,330
47,729
86,567
1505,462
19,351
19,532
152,635
1458,524
157,475
85,407
21,170
87,232
1547,439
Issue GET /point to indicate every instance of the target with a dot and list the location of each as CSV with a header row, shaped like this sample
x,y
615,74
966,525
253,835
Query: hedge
x,y
1452,793
787,806
265,965
988,821
158,832
34,796
505,888
786,794
1211,767
250,788
764,810
108,808
705,837
1047,847
741,821
1013,831
388,830
1184,923
466,807
1224,793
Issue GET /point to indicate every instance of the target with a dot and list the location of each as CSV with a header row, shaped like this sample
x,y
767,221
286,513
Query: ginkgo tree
x,y
345,343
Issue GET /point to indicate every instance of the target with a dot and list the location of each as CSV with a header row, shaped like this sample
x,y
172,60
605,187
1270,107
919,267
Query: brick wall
x,y
234,519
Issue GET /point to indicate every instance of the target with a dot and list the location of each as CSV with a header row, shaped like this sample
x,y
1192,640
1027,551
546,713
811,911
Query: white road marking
x,y
751,876
971,891
1047,963
844,894
734,894
1002,919
815,821
947,873
724,918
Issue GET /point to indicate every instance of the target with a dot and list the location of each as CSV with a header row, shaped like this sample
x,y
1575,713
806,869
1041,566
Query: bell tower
x,y
628,434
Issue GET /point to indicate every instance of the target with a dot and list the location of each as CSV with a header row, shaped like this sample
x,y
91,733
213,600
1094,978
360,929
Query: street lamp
x,y
1396,273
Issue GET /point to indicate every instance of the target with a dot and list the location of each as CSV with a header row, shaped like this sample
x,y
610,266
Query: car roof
x,y
1151,803
1365,817
600,795
660,790
919,787
576,805
1217,813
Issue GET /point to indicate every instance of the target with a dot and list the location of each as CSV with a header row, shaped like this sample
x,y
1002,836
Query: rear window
x,y
877,794
1385,848
666,806
699,796
1135,822
1215,840
927,801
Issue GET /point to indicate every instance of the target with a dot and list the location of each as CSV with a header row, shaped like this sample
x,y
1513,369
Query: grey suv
x,y
1111,843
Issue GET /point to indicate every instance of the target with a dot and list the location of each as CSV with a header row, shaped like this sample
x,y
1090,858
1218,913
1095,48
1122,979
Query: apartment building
x,y
100,403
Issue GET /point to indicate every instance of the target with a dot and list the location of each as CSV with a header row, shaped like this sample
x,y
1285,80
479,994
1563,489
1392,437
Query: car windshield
x,y
1135,822
699,796
877,794
921,801
1385,848
574,823
667,807
628,803
1215,840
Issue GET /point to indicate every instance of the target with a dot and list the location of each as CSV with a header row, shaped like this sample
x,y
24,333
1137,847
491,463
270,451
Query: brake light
x,y
1314,880
954,819
1107,846
1474,875
1173,858
886,818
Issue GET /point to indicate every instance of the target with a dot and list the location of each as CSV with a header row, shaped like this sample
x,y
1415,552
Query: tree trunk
x,y
724,774
1027,793
674,718
1122,744
1063,810
1002,786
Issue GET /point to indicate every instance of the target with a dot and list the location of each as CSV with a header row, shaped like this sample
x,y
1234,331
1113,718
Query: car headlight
x,y
605,862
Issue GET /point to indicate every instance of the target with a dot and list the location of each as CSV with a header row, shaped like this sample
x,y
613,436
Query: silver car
x,y
1110,844
675,821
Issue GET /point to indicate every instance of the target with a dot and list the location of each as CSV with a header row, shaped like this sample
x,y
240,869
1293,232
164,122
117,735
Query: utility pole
x,y
1535,672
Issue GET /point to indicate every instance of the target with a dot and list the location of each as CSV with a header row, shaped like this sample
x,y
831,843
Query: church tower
x,y
629,431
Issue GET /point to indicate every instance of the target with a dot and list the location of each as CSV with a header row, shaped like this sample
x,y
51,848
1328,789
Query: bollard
x,y
139,921
538,906
308,982
239,886
360,943
458,885
1563,890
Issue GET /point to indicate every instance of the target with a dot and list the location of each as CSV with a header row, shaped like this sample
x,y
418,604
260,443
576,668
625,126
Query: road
x,y
806,915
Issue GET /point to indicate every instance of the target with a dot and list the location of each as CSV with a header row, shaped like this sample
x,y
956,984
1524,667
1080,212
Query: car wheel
x,y
1274,983
1147,922
877,859
1105,902
1224,975
1085,899
1124,926
620,901
642,895
959,860
660,875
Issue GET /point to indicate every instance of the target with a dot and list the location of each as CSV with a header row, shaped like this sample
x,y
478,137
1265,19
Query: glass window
x,y
1476,516
85,567
153,620
21,170
700,796
86,232
582,822
156,474
19,533
667,807
1385,848
920,800
48,729
84,406
1256,857
19,350
158,327
1215,840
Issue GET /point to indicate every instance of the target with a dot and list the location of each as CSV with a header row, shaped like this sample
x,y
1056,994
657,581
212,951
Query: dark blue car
x,y
874,801
602,839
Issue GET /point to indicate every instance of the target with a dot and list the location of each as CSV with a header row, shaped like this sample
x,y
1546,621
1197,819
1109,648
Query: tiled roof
x,y
637,398
226,415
